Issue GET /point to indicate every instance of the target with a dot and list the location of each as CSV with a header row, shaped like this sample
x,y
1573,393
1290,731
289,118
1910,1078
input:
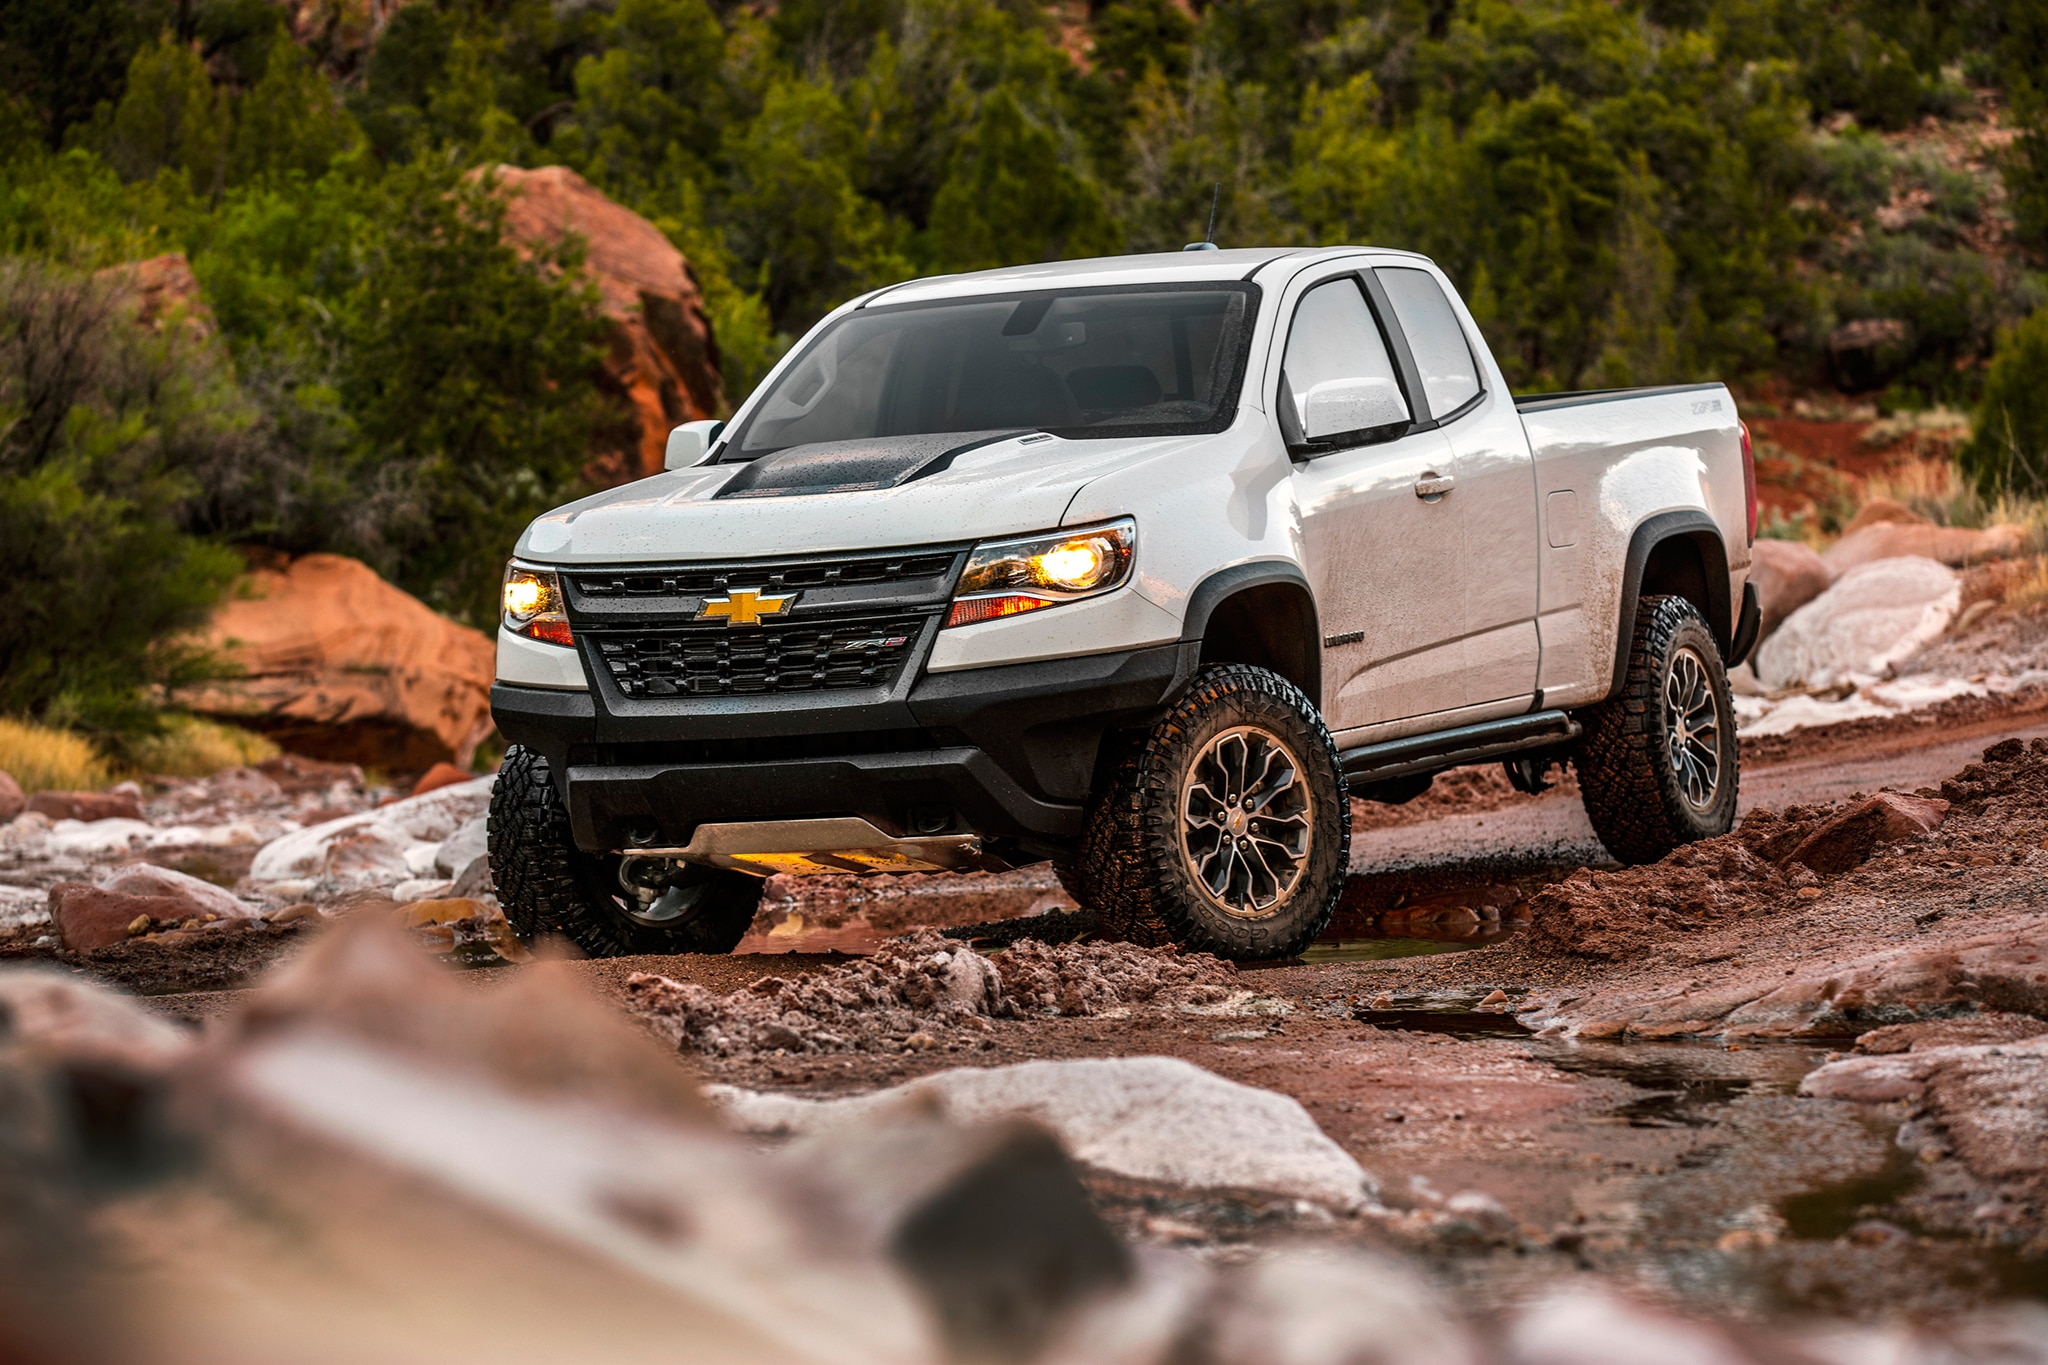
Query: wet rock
x,y
337,663
12,802
1987,1105
1952,545
204,898
1154,1118
1875,616
88,918
1969,1030
1787,576
86,806
1852,837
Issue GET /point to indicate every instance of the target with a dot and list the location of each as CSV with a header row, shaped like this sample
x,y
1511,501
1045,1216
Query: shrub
x,y
188,746
2009,453
101,422
45,758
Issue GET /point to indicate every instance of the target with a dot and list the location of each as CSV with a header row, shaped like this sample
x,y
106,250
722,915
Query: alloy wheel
x,y
1246,821
1692,728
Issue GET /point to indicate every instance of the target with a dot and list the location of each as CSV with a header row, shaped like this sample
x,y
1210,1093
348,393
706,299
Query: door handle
x,y
1433,485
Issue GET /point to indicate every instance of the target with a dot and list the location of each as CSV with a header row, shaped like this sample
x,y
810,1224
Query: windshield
x,y
1131,361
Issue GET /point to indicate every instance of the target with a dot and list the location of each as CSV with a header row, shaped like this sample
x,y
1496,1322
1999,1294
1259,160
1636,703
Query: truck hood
x,y
840,495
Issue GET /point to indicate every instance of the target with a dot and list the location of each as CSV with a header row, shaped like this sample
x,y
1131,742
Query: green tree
x,y
796,215
652,102
1012,197
170,118
101,421
466,368
65,58
2009,451
291,121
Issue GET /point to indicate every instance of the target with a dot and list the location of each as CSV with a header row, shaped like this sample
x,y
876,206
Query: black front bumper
x,y
1006,752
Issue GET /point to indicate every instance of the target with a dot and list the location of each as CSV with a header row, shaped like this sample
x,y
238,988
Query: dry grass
x,y
191,747
42,758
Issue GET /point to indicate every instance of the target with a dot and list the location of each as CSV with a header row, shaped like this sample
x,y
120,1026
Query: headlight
x,y
532,605
1011,577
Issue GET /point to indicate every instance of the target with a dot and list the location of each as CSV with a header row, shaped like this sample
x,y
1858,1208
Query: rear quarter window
x,y
1450,373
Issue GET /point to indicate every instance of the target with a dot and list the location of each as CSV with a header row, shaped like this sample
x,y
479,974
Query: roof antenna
x,y
1208,242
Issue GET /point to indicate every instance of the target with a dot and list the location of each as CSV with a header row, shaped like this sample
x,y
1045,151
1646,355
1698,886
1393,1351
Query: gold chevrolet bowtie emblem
x,y
743,607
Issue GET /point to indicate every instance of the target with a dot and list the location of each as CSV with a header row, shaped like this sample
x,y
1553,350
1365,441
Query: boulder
x,y
63,1016
12,802
1153,1118
88,918
463,847
165,289
1787,576
1954,545
1880,511
86,806
1874,617
1852,837
338,664
439,776
663,357
147,879
375,848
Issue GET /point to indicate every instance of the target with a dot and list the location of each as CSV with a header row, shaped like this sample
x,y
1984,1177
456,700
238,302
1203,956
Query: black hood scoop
x,y
855,466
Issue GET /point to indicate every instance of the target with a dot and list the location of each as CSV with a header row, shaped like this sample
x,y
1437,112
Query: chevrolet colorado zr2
x,y
1144,565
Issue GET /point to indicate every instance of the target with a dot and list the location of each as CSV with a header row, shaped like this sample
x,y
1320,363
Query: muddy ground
x,y
1555,1070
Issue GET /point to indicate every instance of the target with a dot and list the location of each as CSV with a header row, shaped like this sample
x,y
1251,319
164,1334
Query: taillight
x,y
1748,480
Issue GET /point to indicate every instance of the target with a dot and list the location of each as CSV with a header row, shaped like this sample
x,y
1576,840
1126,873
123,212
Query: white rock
x,y
1153,1118
96,836
370,848
1592,1327
463,847
23,905
421,889
147,879
422,859
1332,1307
1876,616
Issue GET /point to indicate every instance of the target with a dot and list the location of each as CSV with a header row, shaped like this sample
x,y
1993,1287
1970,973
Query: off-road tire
x,y
1632,791
547,884
1133,860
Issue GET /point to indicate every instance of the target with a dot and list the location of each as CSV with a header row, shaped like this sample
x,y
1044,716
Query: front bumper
x,y
1004,752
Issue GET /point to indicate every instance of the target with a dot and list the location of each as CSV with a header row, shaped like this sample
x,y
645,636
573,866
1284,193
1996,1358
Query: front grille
x,y
781,656
791,575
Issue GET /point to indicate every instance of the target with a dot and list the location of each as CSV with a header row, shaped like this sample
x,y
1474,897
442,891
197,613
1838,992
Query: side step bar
x,y
1454,748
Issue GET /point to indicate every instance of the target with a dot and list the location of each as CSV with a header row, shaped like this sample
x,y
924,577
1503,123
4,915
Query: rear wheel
x,y
608,905
1658,761
1226,827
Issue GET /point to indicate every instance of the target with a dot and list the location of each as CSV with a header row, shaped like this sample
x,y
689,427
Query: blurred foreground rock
x,y
374,1161
338,664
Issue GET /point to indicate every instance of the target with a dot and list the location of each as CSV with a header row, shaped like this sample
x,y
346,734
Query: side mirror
x,y
689,443
1337,406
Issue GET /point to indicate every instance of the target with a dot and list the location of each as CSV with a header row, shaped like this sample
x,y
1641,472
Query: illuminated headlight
x,y
532,605
1011,577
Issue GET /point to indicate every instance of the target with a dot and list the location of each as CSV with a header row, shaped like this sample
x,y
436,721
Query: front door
x,y
1380,534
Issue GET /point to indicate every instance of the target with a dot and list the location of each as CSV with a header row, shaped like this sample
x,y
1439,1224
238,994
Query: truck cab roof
x,y
1162,267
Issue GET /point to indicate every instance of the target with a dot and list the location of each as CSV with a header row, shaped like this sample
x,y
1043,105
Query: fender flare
x,y
1224,584
1689,524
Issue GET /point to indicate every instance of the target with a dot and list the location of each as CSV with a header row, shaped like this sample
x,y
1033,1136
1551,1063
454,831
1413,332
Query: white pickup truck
x,y
1147,566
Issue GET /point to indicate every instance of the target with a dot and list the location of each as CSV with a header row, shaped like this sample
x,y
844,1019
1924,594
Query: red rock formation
x,y
663,357
341,665
164,286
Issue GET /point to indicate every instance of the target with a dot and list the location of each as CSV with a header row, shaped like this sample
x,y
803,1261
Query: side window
x,y
1336,372
1450,376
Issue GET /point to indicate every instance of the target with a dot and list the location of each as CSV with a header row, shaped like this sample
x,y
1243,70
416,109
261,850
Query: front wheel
x,y
1227,826
609,906
1658,762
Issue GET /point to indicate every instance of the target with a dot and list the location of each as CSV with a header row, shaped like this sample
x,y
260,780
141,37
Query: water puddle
x,y
1381,949
1455,1023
